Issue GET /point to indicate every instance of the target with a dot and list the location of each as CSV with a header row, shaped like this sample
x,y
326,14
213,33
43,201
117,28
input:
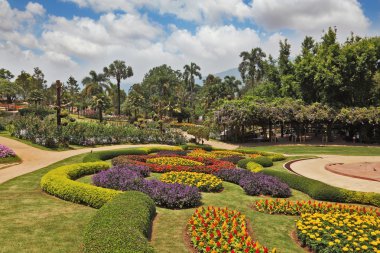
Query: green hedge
x,y
277,157
109,154
321,191
243,162
254,167
263,161
121,225
60,182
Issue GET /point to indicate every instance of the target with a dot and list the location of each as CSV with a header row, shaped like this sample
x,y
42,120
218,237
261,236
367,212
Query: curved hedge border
x,y
60,182
321,191
121,225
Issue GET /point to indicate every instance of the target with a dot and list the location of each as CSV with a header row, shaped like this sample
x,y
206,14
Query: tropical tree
x,y
100,102
252,66
6,74
190,72
9,90
119,71
24,80
94,84
72,89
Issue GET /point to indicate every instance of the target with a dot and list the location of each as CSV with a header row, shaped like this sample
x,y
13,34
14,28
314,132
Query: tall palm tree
x,y
94,83
190,72
119,71
252,66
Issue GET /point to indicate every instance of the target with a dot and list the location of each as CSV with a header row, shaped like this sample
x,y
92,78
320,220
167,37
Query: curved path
x,y
315,169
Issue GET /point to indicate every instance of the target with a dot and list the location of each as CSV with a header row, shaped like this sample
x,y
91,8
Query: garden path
x,y
315,169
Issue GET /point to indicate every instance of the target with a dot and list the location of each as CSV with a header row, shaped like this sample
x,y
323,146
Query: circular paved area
x,y
315,169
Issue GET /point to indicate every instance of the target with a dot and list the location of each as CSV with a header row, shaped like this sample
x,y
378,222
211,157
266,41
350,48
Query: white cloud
x,y
210,11
311,16
35,8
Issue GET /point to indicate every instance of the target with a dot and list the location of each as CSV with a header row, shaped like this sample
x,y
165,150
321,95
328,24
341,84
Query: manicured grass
x,y
33,221
11,159
323,150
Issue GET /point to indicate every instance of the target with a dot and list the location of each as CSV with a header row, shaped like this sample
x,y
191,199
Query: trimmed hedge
x,y
243,163
121,225
109,154
60,182
277,157
263,161
254,167
321,191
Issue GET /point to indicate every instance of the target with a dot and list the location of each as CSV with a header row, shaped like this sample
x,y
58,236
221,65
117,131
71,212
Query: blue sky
x,y
72,37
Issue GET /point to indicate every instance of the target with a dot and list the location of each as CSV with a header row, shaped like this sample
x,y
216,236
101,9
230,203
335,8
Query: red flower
x,y
208,249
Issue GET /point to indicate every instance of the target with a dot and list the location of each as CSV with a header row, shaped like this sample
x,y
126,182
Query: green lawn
x,y
326,150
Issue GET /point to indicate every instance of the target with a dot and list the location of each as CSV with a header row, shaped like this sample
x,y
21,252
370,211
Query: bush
x,y
163,194
59,182
204,182
122,225
277,157
321,191
254,167
261,184
263,161
6,152
243,162
44,132
41,112
255,183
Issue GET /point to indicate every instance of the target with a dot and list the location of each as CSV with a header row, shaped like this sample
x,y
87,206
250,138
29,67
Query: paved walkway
x,y
315,169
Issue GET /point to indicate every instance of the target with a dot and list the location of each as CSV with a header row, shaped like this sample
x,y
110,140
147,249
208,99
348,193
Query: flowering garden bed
x,y
7,155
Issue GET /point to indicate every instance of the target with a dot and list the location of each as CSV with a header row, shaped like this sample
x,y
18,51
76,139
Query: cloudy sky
x,y
72,37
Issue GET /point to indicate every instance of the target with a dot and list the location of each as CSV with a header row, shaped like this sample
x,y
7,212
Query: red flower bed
x,y
211,165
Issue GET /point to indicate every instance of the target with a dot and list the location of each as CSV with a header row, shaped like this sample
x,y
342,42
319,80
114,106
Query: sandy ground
x,y
366,170
315,169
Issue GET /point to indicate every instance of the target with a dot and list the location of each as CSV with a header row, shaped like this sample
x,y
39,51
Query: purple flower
x,y
255,183
6,152
164,194
143,170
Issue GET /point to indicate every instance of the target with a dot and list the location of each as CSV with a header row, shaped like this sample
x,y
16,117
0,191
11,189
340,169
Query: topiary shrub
x,y
277,157
243,162
254,167
121,225
60,182
263,161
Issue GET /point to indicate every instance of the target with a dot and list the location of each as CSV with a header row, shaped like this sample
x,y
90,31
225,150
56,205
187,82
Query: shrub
x,y
121,225
204,182
41,112
258,183
255,183
163,194
232,159
6,152
321,191
199,132
263,161
191,146
44,132
215,229
59,182
277,157
174,161
243,163
254,167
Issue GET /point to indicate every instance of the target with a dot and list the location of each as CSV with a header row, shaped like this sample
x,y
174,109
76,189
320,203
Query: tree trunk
x,y
59,89
118,97
100,115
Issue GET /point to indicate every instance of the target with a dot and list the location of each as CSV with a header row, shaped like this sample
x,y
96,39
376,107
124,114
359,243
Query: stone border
x,y
288,164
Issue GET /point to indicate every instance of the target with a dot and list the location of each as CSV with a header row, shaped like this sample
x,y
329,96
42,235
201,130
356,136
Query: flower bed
x,y
226,153
282,206
215,230
204,182
175,161
335,232
6,152
200,153
211,165
165,195
232,159
255,183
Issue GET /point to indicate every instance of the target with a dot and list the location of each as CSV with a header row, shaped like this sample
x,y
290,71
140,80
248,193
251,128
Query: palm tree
x,y
190,72
119,71
94,83
232,84
252,66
